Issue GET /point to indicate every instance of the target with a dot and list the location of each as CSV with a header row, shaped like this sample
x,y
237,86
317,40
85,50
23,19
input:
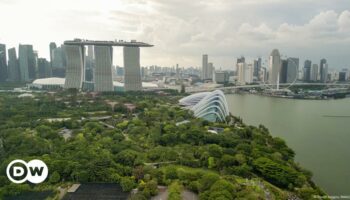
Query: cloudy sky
x,y
183,30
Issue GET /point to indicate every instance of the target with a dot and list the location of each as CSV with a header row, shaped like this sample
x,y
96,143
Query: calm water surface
x,y
321,142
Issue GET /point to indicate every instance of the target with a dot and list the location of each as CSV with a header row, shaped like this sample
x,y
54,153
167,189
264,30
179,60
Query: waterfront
x,y
318,132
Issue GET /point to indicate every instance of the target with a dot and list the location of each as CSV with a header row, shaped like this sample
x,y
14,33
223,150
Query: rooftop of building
x,y
132,43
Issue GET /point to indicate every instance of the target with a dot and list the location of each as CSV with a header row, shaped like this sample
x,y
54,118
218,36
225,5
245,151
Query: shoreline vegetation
x,y
132,139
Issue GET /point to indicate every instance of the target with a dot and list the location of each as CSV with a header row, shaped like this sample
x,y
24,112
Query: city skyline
x,y
223,30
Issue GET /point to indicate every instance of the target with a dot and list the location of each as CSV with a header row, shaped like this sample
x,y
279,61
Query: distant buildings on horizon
x,y
25,66
278,70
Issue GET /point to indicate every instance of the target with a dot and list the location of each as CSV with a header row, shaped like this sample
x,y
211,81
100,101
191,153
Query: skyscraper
x,y
323,70
241,72
177,70
263,74
284,71
58,62
58,58
75,66
342,76
307,70
205,67
26,62
257,67
314,72
248,73
211,70
103,73
36,66
239,60
53,46
132,80
13,66
3,63
292,70
44,69
275,66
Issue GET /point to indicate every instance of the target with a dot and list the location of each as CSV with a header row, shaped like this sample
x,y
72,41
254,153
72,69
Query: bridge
x,y
269,86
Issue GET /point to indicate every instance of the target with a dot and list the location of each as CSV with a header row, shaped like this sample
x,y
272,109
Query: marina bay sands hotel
x,y
103,53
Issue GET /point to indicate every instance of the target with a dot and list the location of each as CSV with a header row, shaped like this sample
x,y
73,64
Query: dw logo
x,y
35,171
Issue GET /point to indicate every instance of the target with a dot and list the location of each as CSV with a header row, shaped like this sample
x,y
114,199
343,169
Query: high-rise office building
x,y
132,78
75,66
26,62
58,58
58,62
53,46
177,70
263,74
205,67
222,77
314,72
307,70
292,70
274,66
257,67
323,70
325,73
239,60
36,66
103,72
13,66
3,63
44,68
283,72
342,76
211,71
248,73
241,73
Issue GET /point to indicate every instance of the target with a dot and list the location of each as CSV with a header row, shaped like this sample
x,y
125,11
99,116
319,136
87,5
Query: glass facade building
x,y
211,106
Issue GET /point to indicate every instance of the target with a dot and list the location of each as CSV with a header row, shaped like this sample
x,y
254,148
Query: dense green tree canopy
x,y
82,139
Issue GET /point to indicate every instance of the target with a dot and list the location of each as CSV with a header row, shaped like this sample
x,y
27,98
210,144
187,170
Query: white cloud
x,y
261,32
344,21
182,30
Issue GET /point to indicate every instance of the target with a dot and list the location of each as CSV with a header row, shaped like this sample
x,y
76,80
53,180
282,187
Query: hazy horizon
x,y
183,30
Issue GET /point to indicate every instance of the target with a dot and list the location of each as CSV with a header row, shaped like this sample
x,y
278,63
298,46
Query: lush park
x,y
132,139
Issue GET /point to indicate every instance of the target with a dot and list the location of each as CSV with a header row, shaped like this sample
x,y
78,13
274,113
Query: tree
x,y
46,132
215,150
208,180
55,177
227,161
175,190
222,189
211,163
127,184
220,195
150,188
126,157
276,173
170,172
138,172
